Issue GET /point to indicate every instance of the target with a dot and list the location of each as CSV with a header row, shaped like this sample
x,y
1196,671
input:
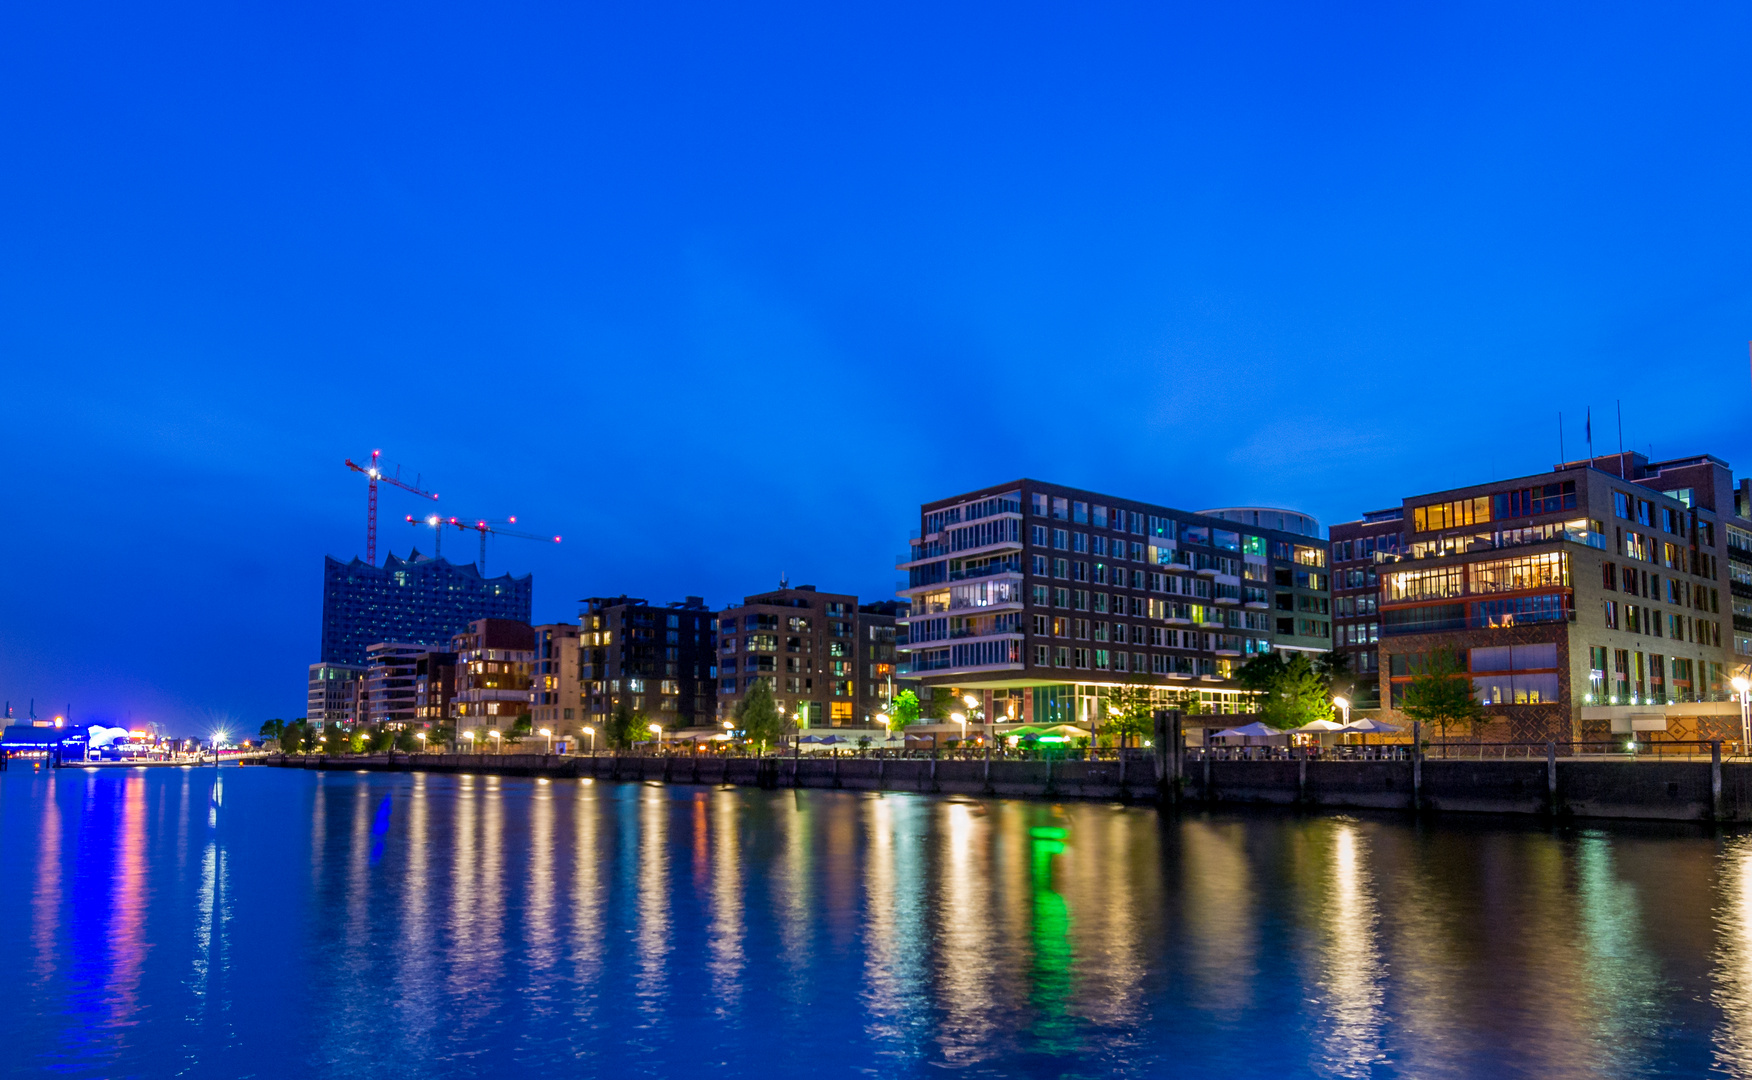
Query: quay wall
x,y
1671,790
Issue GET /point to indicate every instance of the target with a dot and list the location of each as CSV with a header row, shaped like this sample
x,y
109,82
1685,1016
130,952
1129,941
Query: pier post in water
x,y
1715,779
1551,776
1417,765
1166,745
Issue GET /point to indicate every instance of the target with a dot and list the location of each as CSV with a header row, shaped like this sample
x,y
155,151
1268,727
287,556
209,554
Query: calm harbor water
x,y
261,922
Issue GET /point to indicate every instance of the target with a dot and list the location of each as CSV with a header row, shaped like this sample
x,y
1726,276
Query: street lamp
x,y
421,735
1343,707
657,730
1743,685
961,718
493,734
469,735
590,731
548,734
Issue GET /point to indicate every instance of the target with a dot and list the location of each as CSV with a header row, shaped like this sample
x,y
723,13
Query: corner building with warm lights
x,y
1044,599
1593,602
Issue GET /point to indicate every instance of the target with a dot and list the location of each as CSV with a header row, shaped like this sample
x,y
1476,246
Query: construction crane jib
x,y
484,527
373,474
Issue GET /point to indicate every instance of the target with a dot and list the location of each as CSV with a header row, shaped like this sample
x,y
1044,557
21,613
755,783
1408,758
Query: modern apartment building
x,y
557,701
1587,601
418,600
1356,620
657,658
878,635
389,682
805,643
495,659
1739,567
434,687
1044,598
334,693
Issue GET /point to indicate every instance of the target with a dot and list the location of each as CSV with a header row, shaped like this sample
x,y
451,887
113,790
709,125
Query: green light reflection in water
x,y
1053,956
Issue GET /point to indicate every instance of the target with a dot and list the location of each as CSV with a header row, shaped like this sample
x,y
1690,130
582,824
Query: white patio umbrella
x,y
1255,730
1368,726
1321,726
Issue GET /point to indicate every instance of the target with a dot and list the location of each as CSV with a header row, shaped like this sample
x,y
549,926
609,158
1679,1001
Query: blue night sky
x,y
725,291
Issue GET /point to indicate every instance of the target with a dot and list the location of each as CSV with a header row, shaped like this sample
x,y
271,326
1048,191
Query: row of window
x,y
1364,547
1167,528
1668,520
1347,606
1549,569
1642,619
1185,667
1551,498
1675,591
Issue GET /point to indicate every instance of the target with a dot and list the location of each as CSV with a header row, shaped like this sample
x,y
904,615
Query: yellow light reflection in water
x,y
586,899
792,888
895,993
724,943
414,957
1732,971
540,932
966,963
653,897
127,929
1350,969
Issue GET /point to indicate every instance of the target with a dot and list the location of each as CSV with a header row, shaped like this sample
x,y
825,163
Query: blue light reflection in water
x,y
235,923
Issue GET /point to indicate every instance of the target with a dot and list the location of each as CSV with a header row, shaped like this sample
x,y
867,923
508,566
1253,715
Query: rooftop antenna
x,y
1590,431
1560,454
784,582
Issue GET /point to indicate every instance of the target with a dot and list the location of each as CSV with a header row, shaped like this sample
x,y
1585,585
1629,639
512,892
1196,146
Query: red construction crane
x,y
374,474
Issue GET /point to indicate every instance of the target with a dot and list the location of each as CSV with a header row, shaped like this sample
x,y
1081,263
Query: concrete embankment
x,y
1684,790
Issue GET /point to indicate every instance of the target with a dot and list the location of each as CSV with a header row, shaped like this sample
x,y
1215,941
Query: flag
x,y
1590,425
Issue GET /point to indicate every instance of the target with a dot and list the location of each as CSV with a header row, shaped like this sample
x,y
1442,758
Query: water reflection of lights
x,y
45,898
586,895
895,964
965,966
1732,972
1052,941
724,942
653,897
1351,972
1221,922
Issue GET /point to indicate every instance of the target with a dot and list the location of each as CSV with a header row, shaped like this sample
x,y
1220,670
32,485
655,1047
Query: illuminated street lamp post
x,y
493,734
421,735
590,731
548,734
657,730
469,736
960,718
1343,707
1743,688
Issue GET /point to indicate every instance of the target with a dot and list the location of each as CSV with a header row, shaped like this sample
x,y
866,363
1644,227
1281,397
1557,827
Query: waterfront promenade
x,y
1672,789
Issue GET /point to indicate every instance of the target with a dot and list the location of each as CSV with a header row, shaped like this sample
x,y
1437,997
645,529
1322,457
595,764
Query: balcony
x,y
935,551
1209,624
1257,605
1230,600
1178,620
1503,540
1475,622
